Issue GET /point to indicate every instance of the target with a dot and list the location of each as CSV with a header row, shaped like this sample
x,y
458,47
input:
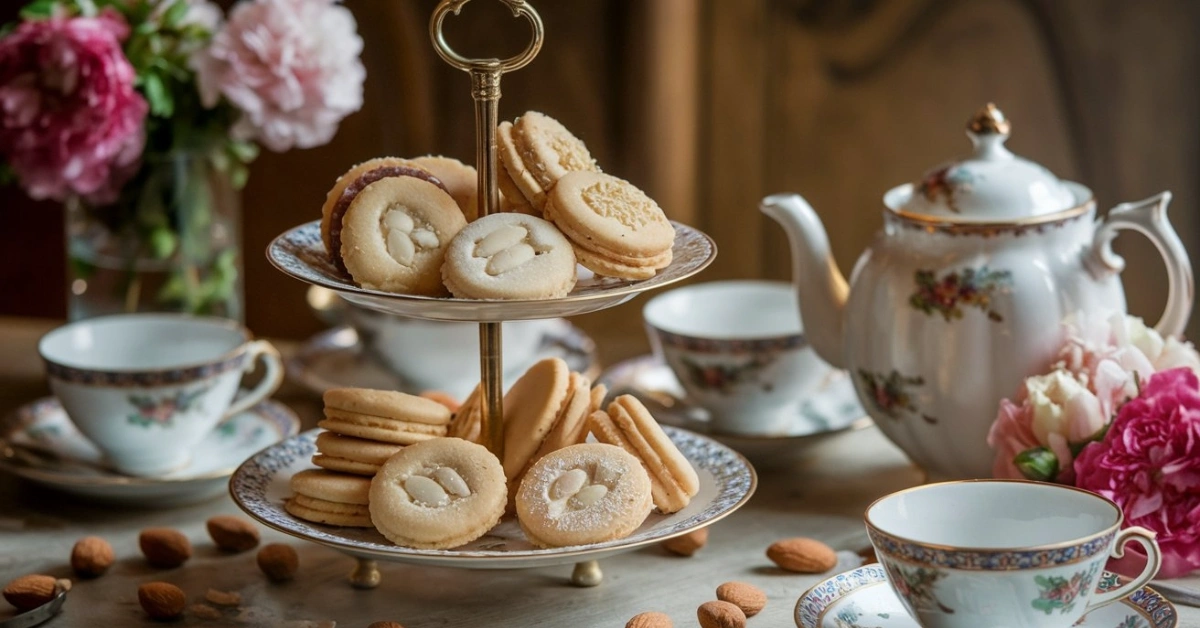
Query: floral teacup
x,y
1002,553
738,349
146,388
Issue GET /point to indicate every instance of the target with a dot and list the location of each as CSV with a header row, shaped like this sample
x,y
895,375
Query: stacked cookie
x,y
365,428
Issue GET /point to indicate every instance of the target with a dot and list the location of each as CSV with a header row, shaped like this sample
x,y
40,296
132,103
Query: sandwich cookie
x,y
351,455
549,150
629,425
511,198
524,182
531,408
467,423
617,230
569,426
588,493
330,498
438,494
461,181
395,234
509,256
384,415
349,185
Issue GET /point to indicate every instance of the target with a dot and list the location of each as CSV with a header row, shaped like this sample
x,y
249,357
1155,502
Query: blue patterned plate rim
x,y
734,476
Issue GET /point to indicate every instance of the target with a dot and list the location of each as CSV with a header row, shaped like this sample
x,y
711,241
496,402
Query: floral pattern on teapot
x,y
969,287
890,393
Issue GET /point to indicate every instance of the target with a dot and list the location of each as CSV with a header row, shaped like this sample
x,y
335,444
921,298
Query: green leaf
x,y
1038,464
172,290
81,268
246,152
39,9
145,28
175,14
162,242
162,104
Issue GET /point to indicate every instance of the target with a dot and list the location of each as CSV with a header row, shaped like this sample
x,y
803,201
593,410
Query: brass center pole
x,y
485,89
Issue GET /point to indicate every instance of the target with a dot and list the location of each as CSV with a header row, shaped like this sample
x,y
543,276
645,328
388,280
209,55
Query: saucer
x,y
861,598
335,358
38,442
833,407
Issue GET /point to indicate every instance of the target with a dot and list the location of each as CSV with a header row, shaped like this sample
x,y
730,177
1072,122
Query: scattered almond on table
x,y
687,544
802,555
718,614
161,600
232,534
91,557
278,561
223,598
204,611
651,619
164,547
31,591
743,595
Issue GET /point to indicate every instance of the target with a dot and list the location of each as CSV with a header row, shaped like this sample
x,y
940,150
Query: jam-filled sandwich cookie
x,y
351,455
461,181
384,415
509,256
629,425
347,188
395,234
617,230
438,494
330,498
587,493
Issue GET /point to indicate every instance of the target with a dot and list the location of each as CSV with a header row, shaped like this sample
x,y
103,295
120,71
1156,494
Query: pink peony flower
x,y
70,118
290,66
1149,464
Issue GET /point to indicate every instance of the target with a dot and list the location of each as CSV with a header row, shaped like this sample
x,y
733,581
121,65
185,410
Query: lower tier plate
x,y
261,486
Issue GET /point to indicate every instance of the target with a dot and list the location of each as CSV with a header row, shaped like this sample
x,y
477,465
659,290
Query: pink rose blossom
x,y
290,66
70,118
1149,464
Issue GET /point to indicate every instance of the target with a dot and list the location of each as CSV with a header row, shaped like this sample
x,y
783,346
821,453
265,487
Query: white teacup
x,y
145,388
738,349
1002,553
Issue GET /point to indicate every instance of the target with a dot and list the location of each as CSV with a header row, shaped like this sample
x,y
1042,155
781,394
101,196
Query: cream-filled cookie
x,y
347,454
588,493
438,494
531,407
549,150
330,498
509,153
395,234
509,256
384,415
461,181
569,426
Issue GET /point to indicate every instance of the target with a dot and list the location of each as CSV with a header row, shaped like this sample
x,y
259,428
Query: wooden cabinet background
x,y
711,104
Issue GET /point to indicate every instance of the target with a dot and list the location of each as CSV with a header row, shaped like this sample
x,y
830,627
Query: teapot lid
x,y
990,185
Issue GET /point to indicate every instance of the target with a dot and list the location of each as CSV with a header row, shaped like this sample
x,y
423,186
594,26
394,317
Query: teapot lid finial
x,y
989,121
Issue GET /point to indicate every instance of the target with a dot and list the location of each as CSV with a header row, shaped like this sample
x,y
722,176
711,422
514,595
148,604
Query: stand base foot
x,y
587,574
365,574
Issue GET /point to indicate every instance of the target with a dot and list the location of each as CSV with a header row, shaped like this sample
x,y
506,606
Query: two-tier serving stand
x,y
301,254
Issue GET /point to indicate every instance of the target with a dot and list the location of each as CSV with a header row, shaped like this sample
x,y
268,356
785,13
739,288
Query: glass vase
x,y
171,242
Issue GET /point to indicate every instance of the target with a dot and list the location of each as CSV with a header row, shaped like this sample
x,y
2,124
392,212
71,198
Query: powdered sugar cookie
x,y
395,234
582,494
509,256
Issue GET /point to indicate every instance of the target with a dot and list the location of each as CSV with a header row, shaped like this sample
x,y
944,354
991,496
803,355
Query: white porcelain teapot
x,y
961,294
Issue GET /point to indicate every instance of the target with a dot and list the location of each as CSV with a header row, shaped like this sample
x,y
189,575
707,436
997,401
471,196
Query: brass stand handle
x,y
485,89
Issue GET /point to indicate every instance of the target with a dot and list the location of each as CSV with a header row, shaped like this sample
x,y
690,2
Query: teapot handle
x,y
1149,217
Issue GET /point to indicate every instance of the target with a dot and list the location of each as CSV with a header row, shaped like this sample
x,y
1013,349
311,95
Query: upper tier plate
x,y
299,252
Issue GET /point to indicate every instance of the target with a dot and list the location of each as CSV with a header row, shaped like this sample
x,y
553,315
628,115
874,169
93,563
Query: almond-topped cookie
x,y
509,256
395,234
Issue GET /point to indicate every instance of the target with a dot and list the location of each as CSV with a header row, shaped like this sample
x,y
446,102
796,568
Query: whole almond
x,y
232,534
652,619
161,600
687,544
164,547
278,561
720,615
802,555
29,591
91,557
745,596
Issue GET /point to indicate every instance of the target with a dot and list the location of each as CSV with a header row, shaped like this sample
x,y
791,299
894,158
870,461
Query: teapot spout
x,y
820,285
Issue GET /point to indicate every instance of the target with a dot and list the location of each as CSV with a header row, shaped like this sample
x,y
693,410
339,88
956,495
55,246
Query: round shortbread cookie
x,y
509,256
606,214
438,494
395,234
514,164
378,428
340,185
467,423
587,245
461,180
549,150
388,404
588,493
319,515
607,268
330,498
570,426
530,409
511,198
351,455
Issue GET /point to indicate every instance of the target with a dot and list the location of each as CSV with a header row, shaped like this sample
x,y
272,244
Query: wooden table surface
x,y
818,491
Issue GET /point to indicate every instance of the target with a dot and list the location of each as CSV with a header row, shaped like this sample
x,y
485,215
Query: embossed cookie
x,y
395,234
549,150
384,415
348,186
351,455
461,181
614,226
330,498
582,494
438,494
509,256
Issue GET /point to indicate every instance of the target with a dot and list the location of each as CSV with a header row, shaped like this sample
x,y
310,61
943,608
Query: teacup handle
x,y
270,381
1153,562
